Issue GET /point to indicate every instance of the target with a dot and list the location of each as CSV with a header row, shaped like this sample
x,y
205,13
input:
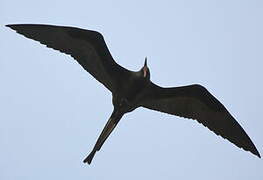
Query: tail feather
x,y
110,125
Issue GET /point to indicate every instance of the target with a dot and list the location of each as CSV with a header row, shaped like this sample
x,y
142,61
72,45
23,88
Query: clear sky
x,y
52,111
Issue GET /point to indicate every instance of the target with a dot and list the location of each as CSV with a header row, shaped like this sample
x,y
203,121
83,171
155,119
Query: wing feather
x,y
87,47
195,102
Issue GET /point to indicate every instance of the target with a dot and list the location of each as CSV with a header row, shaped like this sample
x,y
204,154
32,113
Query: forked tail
x,y
89,158
111,124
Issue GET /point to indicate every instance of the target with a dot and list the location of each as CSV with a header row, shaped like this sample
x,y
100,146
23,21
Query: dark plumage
x,y
134,89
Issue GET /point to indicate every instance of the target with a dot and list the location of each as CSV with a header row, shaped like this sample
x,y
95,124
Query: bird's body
x,y
131,90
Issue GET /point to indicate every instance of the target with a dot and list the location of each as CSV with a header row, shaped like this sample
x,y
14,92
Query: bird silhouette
x,y
131,90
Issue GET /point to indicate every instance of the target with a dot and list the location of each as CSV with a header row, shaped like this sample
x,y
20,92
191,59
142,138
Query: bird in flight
x,y
131,90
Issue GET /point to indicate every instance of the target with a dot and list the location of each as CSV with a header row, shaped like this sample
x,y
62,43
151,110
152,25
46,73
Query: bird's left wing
x,y
87,47
195,102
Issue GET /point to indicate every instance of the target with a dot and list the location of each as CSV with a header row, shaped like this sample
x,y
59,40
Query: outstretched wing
x,y
87,47
195,102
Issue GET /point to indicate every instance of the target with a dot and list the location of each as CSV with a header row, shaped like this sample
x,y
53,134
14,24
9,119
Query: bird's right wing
x,y
87,47
195,102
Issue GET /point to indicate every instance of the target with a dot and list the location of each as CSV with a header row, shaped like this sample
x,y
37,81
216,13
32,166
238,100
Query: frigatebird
x,y
131,90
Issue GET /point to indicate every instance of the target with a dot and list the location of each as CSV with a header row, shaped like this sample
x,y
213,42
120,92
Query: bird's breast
x,y
128,95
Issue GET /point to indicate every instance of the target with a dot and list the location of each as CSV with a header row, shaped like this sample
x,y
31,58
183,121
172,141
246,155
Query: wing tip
x,y
255,152
19,26
12,26
252,148
9,25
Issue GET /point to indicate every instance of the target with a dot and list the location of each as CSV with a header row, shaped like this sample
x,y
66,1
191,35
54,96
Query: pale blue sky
x,y
52,111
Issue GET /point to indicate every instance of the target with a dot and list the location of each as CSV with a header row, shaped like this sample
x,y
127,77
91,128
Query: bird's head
x,y
145,71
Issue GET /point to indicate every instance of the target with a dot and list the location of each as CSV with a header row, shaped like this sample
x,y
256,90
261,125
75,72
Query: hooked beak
x,y
145,68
